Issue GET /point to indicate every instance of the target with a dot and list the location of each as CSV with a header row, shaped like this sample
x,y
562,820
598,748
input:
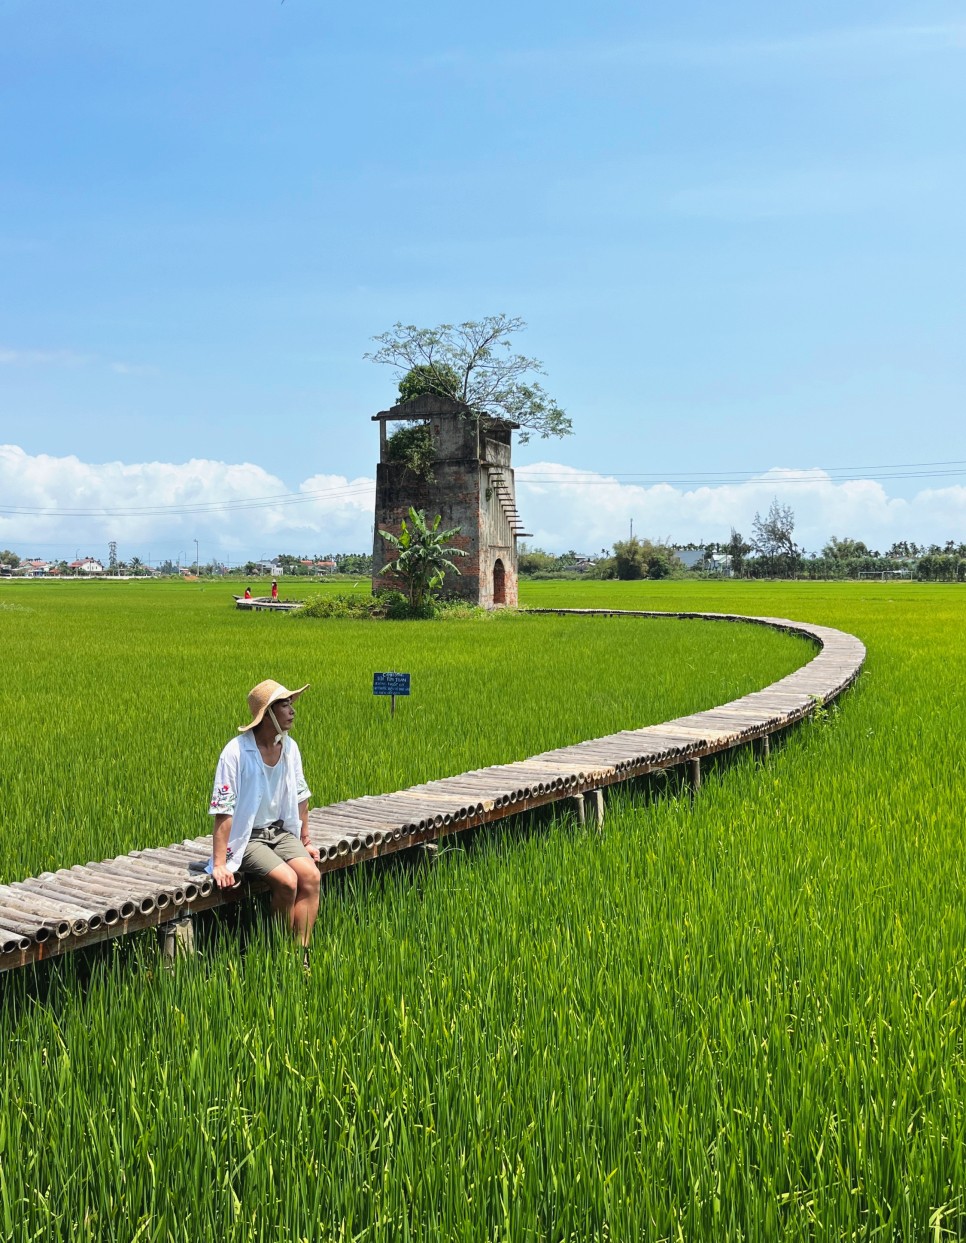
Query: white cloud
x,y
10,357
57,505
139,369
568,508
238,511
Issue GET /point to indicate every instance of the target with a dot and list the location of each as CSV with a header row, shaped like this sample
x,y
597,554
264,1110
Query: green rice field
x,y
124,694
738,1019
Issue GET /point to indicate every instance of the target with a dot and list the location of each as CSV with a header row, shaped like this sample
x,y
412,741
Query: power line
x,y
572,478
603,478
890,466
183,509
834,474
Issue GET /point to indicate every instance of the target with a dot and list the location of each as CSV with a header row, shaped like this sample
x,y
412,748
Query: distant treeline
x,y
931,568
642,558
311,567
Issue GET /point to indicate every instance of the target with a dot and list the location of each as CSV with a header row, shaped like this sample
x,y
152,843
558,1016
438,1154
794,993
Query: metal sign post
x,y
391,684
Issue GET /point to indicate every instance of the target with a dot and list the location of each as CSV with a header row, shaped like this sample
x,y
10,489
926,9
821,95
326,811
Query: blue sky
x,y
734,230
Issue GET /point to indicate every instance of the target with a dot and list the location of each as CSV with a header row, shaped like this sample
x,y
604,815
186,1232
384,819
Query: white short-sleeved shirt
x,y
241,784
269,808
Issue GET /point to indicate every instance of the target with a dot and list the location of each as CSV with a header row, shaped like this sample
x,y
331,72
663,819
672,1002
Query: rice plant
x,y
737,1019
121,695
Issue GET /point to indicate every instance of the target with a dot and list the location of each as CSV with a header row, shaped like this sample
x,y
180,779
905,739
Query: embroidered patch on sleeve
x,y
222,801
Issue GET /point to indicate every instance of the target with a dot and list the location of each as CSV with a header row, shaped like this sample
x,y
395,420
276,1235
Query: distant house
x,y
326,567
691,558
696,559
35,568
89,565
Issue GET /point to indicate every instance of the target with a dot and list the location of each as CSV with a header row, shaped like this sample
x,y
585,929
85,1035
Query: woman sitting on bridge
x,y
261,806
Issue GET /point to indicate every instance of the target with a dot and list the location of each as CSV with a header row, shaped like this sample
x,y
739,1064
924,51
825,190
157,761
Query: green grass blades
x,y
739,1019
120,697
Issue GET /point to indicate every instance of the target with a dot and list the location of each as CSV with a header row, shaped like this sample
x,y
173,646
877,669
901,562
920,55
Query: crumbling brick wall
x,y
472,478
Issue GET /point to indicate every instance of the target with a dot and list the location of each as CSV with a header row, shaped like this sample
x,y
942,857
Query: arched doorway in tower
x,y
499,582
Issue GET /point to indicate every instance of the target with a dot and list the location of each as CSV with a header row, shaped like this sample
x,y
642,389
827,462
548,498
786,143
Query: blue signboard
x,y
390,684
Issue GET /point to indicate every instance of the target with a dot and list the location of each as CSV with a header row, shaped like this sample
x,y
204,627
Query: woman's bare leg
x,y
306,902
283,884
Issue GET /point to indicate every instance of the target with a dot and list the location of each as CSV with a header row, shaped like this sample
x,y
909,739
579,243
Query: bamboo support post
x,y
179,939
577,802
694,775
596,800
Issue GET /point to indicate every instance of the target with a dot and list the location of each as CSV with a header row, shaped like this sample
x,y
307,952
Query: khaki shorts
x,y
270,847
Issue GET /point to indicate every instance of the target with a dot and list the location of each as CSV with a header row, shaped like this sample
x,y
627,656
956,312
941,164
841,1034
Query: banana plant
x,y
424,557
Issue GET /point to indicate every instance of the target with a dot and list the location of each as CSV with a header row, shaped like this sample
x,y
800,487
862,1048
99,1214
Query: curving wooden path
x,y
58,912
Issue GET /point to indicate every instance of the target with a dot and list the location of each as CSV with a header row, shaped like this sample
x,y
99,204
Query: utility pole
x,y
112,556
632,528
197,560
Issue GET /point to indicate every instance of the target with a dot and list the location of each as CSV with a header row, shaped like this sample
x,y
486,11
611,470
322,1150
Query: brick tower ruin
x,y
472,489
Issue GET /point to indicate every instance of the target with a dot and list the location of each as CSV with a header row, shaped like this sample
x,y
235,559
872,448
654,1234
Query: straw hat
x,y
261,698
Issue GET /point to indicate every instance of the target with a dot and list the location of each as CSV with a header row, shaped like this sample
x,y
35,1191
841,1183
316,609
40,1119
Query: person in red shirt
x,y
274,589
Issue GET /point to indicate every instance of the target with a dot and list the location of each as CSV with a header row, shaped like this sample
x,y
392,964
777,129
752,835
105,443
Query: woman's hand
x,y
223,877
304,830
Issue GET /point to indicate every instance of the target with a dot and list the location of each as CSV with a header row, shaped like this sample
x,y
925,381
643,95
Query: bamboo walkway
x,y
58,912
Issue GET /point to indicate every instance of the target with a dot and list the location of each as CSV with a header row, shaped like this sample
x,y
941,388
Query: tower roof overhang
x,y
429,406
